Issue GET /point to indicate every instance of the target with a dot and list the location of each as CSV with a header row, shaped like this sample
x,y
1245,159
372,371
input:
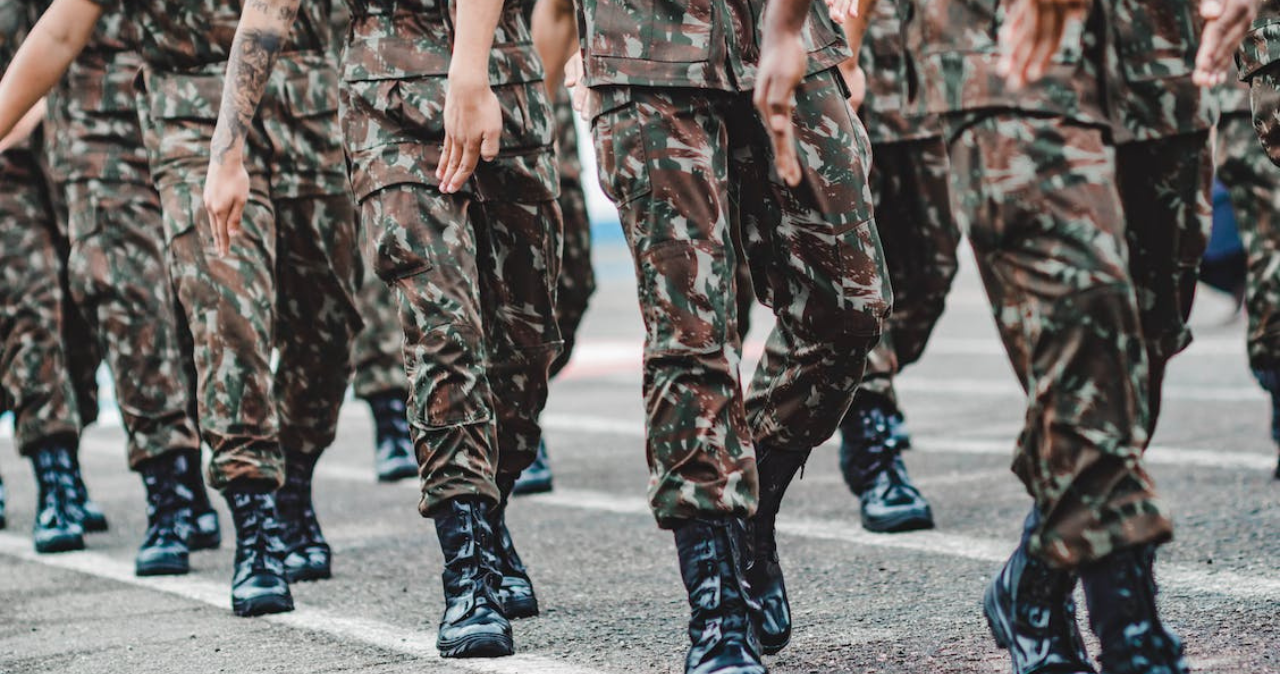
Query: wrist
x,y
468,75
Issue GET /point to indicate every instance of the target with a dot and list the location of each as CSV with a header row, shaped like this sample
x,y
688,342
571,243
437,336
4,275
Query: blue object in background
x,y
1224,242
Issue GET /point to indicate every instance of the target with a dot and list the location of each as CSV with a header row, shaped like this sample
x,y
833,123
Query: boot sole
x,y
248,608
899,523
516,609
67,543
539,487
93,525
477,646
203,542
167,567
774,649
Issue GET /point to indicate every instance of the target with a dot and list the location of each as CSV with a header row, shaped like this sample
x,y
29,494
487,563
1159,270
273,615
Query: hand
x,y
25,127
1226,23
226,191
573,72
472,129
842,10
1032,33
856,79
782,65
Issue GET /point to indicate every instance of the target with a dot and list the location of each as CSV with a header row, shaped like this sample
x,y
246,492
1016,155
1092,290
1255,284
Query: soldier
x,y
1254,194
39,383
909,187
471,262
378,357
119,280
686,160
284,283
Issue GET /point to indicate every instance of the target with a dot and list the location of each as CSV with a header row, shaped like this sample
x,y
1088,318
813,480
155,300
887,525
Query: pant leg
x,y
577,281
35,380
79,332
1047,230
1254,184
909,186
1166,188
119,280
378,351
317,319
663,159
823,273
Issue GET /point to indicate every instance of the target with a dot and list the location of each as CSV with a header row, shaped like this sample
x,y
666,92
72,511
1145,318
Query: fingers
x,y
1226,24
446,156
451,162
773,102
489,146
1049,28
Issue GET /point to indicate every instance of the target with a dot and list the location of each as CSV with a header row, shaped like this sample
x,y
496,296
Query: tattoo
x,y
253,54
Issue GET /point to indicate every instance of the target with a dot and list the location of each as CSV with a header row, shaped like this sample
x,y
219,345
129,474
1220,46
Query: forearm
x,y
555,37
264,26
856,28
476,22
785,17
44,56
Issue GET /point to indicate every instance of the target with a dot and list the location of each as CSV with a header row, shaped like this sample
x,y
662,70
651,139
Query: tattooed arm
x,y
44,56
263,29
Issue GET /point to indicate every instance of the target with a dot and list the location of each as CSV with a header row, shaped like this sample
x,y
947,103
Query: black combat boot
x,y
206,533
764,573
58,525
394,457
536,479
1270,381
308,556
90,514
165,550
1121,591
473,625
516,591
722,632
1031,613
871,462
3,522
259,585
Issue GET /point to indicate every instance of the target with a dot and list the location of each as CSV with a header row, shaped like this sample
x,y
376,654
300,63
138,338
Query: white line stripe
x,y
416,643
1156,455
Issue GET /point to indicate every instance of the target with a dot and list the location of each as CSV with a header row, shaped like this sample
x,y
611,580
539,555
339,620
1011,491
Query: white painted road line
x,y
1161,455
416,643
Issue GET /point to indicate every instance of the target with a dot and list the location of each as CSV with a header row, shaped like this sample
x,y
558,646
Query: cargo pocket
x,y
623,166
684,295
448,378
1154,43
641,30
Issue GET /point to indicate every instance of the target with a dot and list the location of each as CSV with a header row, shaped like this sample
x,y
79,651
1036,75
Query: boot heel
x,y
478,646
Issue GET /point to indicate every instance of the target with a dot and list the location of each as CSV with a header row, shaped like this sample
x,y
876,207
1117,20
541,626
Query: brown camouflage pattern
x,y
577,280
679,164
894,106
378,351
474,273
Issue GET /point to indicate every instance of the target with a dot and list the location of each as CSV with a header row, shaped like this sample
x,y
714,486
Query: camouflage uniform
x,y
288,283
1073,287
473,273
117,265
577,281
909,185
685,157
35,381
1257,60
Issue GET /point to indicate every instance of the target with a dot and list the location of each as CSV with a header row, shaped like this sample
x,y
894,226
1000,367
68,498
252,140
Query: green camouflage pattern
x,y
288,284
1057,274
1261,46
679,163
705,44
1254,185
894,106
910,185
473,274
577,280
378,351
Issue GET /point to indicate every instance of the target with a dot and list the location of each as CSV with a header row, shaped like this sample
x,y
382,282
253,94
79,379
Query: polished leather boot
x,y
258,585
58,525
206,532
872,466
1270,381
722,632
516,591
165,550
764,572
89,513
473,625
1031,613
308,556
1121,591
536,479
3,522
394,457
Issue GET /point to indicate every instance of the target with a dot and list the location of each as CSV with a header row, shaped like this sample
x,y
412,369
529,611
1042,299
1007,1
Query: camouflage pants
x,y
1165,188
35,382
378,351
288,283
1057,274
119,281
1254,184
577,280
909,181
685,167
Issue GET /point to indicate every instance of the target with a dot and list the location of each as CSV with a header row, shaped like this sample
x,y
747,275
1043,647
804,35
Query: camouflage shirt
x,y
177,35
709,44
893,109
1262,45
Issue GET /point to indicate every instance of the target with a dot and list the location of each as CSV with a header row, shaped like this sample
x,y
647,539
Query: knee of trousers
x,y
447,375
684,298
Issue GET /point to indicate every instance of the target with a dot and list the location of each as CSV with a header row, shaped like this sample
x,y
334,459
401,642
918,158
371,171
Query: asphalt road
x,y
607,577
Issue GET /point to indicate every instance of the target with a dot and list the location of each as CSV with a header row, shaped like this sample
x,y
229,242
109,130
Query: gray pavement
x,y
607,578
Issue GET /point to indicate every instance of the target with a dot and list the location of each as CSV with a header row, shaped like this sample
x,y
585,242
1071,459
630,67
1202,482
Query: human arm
x,y
855,30
1225,24
555,38
472,115
1031,34
55,41
26,126
264,26
783,60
